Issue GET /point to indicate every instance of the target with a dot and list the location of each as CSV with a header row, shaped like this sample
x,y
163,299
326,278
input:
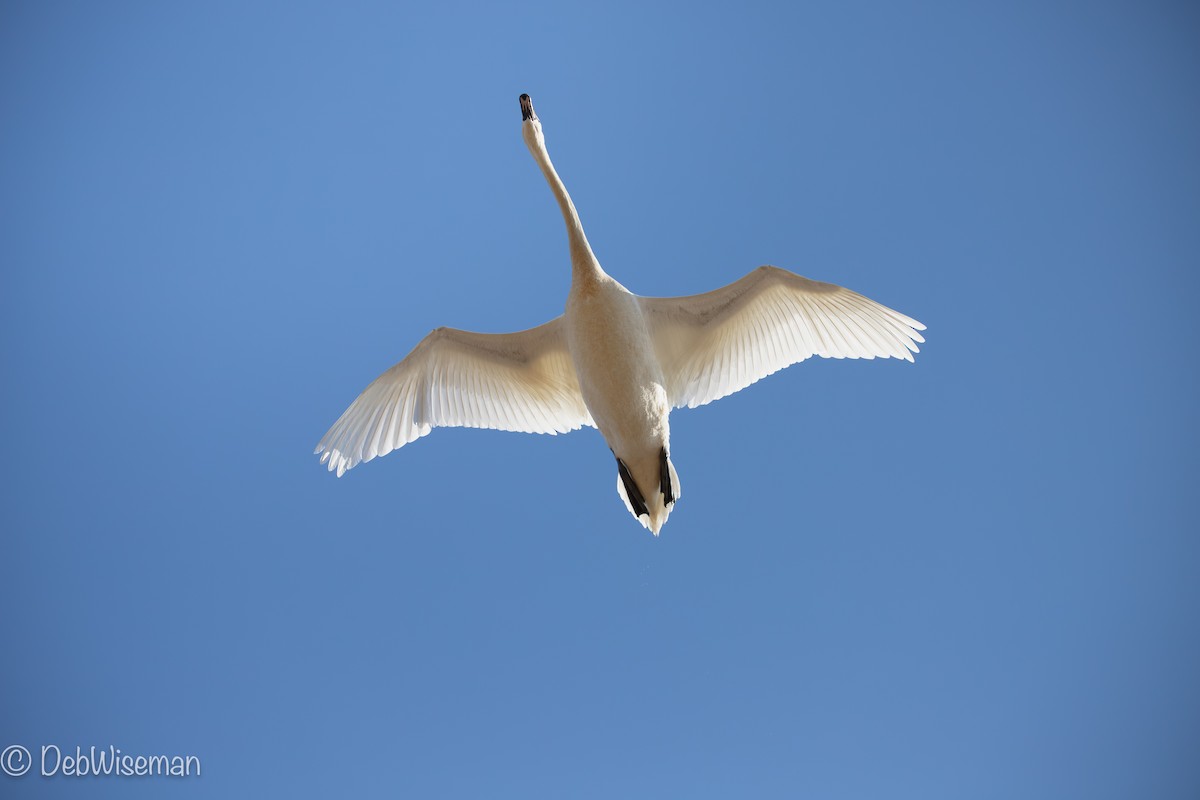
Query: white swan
x,y
615,361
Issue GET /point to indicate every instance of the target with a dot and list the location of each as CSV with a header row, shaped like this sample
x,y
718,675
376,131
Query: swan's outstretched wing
x,y
713,344
509,381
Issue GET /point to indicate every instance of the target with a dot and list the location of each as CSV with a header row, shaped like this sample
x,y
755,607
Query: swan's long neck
x,y
583,262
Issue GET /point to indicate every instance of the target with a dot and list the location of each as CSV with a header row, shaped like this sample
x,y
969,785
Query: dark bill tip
x,y
527,108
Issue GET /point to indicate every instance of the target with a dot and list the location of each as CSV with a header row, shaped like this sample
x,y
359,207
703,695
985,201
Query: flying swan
x,y
614,361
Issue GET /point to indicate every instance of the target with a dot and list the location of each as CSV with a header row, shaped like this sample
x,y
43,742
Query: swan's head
x,y
531,126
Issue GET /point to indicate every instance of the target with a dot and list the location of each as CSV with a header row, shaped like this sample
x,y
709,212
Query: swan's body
x,y
615,361
622,385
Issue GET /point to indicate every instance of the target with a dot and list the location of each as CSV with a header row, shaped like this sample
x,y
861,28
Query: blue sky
x,y
974,576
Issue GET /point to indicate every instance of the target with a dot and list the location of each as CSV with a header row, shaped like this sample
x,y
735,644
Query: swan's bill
x,y
527,109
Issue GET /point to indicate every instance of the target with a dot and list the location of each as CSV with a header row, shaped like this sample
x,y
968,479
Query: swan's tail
x,y
651,509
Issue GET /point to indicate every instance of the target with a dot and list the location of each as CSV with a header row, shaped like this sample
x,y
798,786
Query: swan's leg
x,y
664,477
636,501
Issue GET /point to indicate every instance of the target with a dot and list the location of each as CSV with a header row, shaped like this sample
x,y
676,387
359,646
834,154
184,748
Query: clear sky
x,y
972,577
